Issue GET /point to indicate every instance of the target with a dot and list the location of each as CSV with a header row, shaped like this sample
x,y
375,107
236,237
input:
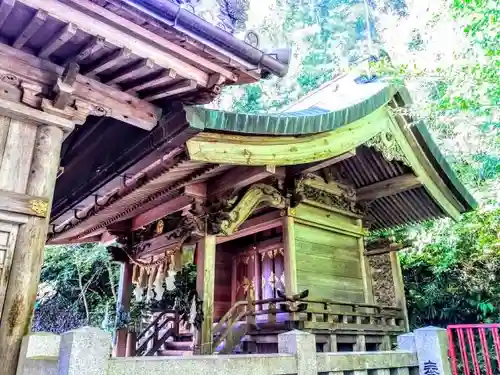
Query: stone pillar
x,y
431,346
84,351
303,346
30,144
407,342
39,354
205,286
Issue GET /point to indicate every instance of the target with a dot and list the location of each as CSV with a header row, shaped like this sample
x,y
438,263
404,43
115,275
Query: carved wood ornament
x,y
256,195
343,200
386,144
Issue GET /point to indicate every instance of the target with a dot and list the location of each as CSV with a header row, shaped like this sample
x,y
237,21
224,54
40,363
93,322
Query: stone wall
x,y
87,352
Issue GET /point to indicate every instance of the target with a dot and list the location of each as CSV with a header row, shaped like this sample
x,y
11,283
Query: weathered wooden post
x,y
123,307
30,144
205,282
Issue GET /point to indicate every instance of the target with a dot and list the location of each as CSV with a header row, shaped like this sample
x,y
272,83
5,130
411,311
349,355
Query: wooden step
x,y
174,353
179,345
184,336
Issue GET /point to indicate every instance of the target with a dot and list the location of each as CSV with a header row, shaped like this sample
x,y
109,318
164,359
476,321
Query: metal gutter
x,y
172,15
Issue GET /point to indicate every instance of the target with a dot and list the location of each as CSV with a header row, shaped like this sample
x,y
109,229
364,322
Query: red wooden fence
x,y
478,348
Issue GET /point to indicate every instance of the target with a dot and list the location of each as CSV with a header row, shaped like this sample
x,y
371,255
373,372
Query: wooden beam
x,y
387,187
24,113
205,286
65,34
124,107
107,238
121,33
313,167
240,177
130,72
197,191
177,88
5,9
95,44
108,61
31,28
23,204
155,246
162,210
165,77
255,225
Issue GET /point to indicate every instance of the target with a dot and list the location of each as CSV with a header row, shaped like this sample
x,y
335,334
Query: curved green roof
x,y
334,105
318,118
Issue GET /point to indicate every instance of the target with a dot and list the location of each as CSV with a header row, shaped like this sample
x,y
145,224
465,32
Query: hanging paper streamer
x,y
177,260
151,279
135,274
192,311
158,284
170,281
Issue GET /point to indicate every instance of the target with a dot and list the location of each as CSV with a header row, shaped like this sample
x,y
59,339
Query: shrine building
x,y
104,139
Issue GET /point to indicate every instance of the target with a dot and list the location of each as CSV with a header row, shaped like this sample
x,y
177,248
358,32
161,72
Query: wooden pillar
x,y
366,273
289,255
123,305
205,285
399,289
30,151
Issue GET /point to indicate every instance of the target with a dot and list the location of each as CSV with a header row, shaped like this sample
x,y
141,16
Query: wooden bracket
x,y
64,86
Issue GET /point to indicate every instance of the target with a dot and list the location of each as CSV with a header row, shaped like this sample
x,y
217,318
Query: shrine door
x,y
260,271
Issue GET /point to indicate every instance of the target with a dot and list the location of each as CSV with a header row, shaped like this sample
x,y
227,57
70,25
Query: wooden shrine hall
x,y
92,95
277,208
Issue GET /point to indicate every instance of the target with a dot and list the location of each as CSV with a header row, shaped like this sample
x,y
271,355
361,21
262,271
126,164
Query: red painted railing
x,y
478,346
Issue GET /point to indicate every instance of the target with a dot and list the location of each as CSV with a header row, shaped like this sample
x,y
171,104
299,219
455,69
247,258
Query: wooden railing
x,y
329,314
242,317
154,336
309,314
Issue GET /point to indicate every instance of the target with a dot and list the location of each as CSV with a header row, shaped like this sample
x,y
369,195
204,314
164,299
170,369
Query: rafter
x,y
316,166
61,37
131,72
83,14
5,9
388,187
176,88
108,61
240,177
162,210
94,45
31,28
162,78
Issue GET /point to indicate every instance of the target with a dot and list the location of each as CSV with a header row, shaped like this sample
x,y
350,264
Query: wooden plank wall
x,y
328,264
223,269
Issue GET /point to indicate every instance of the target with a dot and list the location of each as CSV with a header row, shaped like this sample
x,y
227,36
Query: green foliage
x,y
452,275
80,281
